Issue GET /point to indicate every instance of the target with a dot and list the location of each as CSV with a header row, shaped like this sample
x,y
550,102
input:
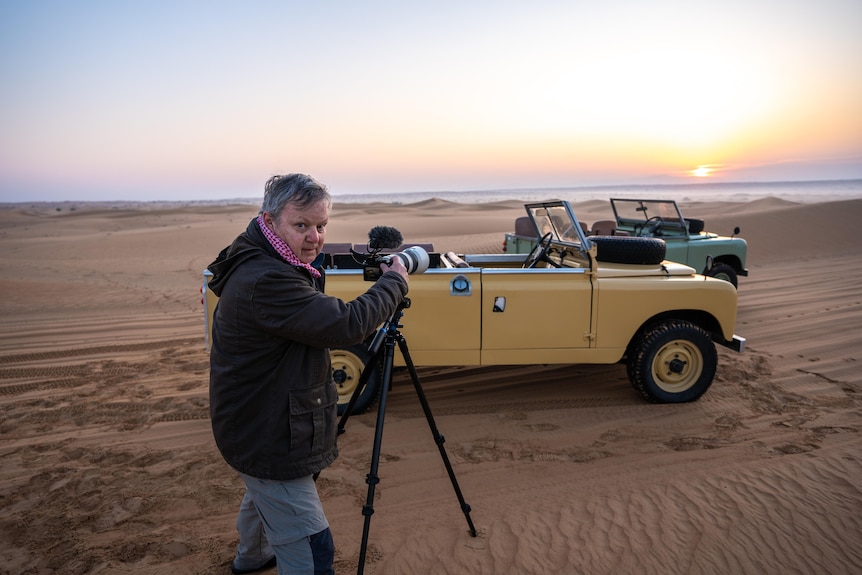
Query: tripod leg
x,y
438,438
363,381
372,479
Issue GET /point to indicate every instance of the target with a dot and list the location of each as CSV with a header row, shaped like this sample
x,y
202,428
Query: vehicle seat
x,y
604,228
330,250
524,227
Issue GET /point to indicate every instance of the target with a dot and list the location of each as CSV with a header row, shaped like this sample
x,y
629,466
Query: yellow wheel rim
x,y
677,366
346,370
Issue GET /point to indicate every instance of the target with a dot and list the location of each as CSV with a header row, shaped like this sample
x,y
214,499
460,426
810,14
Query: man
x,y
273,403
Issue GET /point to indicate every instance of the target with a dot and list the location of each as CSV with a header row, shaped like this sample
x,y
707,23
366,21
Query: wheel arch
x,y
700,318
729,259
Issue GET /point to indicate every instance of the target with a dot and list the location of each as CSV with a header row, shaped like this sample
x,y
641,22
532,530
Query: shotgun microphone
x,y
384,238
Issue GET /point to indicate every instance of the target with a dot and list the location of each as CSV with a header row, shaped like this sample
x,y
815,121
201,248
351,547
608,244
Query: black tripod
x,y
388,335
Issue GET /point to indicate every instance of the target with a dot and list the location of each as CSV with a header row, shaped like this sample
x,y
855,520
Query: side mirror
x,y
735,231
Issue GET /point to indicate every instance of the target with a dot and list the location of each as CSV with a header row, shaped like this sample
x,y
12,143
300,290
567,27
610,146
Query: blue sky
x,y
205,100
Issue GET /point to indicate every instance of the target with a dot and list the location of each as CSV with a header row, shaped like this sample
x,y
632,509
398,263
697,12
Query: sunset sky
x,y
152,100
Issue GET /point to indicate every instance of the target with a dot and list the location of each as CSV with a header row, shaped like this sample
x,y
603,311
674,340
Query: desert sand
x,y
109,466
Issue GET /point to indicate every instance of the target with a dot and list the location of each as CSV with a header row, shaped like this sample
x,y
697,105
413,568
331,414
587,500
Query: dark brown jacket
x,y
272,397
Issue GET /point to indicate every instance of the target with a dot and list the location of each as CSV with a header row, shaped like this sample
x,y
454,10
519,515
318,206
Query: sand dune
x,y
109,464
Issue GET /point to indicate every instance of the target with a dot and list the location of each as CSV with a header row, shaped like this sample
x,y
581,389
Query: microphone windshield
x,y
384,237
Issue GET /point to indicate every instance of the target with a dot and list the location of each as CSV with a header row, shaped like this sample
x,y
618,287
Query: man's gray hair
x,y
299,190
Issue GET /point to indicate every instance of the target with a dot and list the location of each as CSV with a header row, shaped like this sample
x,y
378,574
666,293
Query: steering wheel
x,y
539,251
650,228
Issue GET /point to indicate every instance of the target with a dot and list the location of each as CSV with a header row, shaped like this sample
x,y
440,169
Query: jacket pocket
x,y
313,417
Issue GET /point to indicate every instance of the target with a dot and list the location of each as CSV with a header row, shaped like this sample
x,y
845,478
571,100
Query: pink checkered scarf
x,y
283,249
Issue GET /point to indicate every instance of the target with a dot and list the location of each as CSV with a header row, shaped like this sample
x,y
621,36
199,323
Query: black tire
x,y
347,367
629,250
723,272
672,362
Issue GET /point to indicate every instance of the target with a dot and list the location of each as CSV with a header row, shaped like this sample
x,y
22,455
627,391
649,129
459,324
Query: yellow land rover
x,y
573,299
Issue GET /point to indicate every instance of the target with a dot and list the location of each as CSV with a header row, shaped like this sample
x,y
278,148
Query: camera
x,y
414,258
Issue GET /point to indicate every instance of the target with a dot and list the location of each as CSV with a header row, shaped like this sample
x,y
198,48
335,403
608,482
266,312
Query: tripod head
x,y
389,327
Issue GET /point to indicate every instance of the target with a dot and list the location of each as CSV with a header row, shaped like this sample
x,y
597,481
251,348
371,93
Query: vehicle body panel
x,y
527,321
441,328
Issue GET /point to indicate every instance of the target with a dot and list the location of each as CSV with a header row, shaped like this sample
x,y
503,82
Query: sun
x,y
702,172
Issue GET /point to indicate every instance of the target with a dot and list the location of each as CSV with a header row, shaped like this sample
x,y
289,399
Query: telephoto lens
x,y
415,259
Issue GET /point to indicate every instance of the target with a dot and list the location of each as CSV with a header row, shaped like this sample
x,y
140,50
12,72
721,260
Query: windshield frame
x,y
631,213
558,219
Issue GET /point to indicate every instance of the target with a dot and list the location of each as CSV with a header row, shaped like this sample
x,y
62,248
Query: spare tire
x,y
629,250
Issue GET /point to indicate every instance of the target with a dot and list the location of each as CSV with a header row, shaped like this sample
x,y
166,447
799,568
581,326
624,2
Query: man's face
x,y
302,229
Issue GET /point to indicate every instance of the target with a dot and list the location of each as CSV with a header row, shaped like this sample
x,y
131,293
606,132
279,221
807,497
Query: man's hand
x,y
397,266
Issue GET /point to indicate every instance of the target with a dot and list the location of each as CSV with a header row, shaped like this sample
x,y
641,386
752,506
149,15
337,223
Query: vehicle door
x,y
535,315
539,314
